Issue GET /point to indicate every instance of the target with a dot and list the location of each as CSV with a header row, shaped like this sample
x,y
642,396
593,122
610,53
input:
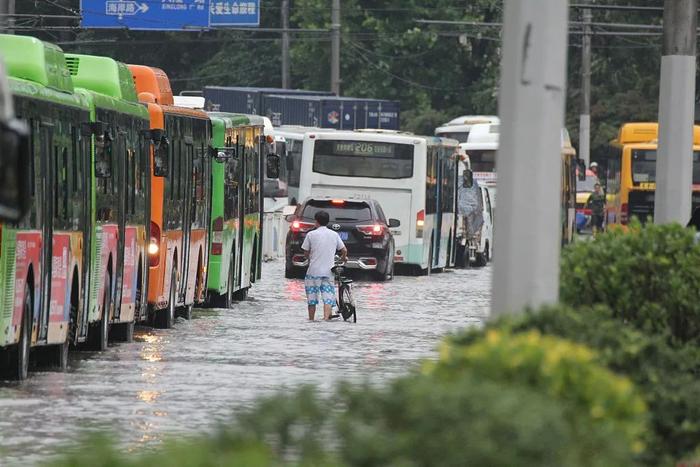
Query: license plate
x,y
343,235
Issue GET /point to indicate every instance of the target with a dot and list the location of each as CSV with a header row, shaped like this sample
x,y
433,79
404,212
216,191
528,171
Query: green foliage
x,y
565,371
649,276
664,374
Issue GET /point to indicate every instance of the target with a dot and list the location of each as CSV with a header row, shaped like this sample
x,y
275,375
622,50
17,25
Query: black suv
x,y
361,225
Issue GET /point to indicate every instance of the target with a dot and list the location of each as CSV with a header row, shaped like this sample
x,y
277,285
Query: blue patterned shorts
x,y
319,288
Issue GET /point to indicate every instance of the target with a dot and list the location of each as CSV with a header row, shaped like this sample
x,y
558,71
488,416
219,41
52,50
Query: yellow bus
x,y
630,174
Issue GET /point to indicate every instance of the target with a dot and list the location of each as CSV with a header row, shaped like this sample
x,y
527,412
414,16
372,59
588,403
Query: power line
x,y
360,53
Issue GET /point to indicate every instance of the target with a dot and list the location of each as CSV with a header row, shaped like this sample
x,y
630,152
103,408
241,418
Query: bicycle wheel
x,y
348,304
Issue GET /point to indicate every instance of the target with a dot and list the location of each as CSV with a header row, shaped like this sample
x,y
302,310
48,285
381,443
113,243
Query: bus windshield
x,y
369,159
644,166
461,136
482,160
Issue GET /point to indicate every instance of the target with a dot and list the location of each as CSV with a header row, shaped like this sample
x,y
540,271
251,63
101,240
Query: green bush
x,y
664,374
565,371
649,276
526,400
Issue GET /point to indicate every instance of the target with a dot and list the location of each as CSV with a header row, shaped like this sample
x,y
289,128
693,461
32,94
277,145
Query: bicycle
x,y
345,301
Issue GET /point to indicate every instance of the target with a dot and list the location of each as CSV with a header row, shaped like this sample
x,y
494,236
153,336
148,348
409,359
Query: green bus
x,y
118,188
45,257
76,262
235,250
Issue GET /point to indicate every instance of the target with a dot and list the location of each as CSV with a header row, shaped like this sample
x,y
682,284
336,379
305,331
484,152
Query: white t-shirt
x,y
322,244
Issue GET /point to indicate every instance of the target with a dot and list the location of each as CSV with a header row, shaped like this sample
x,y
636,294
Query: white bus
x,y
412,177
460,127
291,167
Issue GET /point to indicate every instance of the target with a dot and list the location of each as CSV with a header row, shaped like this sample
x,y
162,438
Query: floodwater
x,y
188,379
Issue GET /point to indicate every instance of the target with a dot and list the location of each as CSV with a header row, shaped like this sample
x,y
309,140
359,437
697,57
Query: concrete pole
x,y
531,106
674,164
584,147
4,19
285,44
335,48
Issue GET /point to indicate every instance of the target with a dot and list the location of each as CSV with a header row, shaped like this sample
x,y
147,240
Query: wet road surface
x,y
187,379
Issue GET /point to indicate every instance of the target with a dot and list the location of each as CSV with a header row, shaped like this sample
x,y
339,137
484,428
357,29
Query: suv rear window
x,y
348,211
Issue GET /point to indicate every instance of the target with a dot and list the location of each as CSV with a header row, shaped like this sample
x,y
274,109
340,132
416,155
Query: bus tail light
x,y
420,222
154,246
217,246
624,214
300,226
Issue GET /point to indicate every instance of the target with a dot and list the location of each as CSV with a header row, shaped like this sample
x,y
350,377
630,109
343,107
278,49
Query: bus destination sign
x,y
363,148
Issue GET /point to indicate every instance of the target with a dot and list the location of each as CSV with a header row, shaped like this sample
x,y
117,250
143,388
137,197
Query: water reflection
x,y
190,378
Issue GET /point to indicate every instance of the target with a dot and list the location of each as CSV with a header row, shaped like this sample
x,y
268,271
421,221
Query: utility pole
x,y
674,163
335,48
531,107
584,146
285,44
7,20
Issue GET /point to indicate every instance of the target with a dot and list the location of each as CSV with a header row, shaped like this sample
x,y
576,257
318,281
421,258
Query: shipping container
x,y
340,113
247,100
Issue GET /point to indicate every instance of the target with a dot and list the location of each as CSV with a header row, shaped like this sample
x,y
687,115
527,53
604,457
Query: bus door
x,y
186,178
437,164
47,207
437,232
120,164
85,148
243,196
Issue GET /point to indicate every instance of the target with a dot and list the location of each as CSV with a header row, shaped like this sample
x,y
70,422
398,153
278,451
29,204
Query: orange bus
x,y
180,194
630,174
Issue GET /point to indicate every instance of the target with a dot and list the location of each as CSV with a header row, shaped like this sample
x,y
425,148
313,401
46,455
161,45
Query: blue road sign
x,y
234,13
168,14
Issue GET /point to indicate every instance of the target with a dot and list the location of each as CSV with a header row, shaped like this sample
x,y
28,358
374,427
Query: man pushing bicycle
x,y
320,247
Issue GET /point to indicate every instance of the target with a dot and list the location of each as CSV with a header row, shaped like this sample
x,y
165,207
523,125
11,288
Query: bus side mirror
x,y
393,223
224,154
160,156
15,159
103,155
468,179
272,166
581,170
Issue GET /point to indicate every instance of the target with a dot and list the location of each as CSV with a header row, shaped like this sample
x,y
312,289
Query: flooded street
x,y
187,379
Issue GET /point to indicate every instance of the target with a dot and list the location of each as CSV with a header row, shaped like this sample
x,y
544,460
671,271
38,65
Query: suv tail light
x,y
301,226
154,246
374,230
624,213
420,222
217,236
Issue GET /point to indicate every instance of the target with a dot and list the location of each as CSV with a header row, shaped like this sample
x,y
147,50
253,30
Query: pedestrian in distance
x,y
320,247
596,203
